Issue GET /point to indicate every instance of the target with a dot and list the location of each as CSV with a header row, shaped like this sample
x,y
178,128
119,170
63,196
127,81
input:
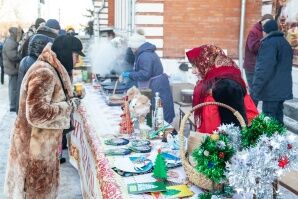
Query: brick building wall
x,y
192,23
111,11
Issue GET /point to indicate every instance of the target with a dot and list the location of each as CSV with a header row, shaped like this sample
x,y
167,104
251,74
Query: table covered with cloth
x,y
94,122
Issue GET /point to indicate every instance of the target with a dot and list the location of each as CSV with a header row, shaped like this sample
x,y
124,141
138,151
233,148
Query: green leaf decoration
x,y
207,158
205,196
261,125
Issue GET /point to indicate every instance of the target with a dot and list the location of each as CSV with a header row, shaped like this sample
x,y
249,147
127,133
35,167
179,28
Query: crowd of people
x,y
268,66
39,64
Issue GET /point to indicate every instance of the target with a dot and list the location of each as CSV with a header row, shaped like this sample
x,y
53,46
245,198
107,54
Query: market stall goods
x,y
117,141
126,125
196,177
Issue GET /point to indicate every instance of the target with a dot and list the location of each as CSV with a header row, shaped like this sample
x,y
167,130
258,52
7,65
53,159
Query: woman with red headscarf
x,y
221,81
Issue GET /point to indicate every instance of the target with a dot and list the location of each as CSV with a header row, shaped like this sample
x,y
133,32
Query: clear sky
x,y
71,11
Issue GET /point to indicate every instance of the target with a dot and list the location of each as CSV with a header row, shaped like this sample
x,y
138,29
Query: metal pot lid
x,y
187,91
107,83
119,87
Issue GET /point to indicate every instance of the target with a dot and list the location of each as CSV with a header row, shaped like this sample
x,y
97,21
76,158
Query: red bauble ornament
x,y
221,155
283,161
290,146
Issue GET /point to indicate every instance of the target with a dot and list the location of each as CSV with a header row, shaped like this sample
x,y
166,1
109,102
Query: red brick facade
x,y
111,15
192,23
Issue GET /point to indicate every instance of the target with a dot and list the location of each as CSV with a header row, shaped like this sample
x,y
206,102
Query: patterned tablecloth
x,y
94,122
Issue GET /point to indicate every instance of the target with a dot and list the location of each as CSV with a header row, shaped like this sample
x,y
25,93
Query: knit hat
x,y
136,40
37,44
38,21
53,23
270,26
267,16
62,32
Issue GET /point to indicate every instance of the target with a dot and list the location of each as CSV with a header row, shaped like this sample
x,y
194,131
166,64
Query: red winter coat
x,y
252,46
210,119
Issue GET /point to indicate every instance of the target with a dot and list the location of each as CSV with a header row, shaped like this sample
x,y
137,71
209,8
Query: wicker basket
x,y
194,176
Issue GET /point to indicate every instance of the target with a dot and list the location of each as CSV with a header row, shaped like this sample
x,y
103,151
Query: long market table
x,y
94,122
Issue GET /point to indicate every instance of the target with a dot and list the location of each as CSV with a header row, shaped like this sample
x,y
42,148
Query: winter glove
x,y
125,74
75,103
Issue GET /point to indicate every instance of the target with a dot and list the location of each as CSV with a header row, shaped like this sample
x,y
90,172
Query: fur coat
x,y
33,165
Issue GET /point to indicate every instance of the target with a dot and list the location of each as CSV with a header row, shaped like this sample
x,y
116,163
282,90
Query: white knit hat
x,y
136,40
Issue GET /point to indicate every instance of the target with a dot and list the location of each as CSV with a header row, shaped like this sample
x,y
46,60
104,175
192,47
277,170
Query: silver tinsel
x,y
253,170
233,133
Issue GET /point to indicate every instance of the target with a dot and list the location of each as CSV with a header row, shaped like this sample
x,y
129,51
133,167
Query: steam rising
x,y
105,57
291,11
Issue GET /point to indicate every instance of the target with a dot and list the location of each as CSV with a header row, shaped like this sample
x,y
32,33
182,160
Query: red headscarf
x,y
212,64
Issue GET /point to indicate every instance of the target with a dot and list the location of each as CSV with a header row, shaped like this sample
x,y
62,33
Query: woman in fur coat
x,y
46,102
221,81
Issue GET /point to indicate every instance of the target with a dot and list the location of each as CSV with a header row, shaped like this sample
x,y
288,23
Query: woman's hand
x,y
75,103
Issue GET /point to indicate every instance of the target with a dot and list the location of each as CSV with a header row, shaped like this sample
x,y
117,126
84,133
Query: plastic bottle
x,y
156,99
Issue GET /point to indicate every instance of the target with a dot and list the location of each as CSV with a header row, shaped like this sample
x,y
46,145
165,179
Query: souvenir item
x,y
156,133
138,143
141,164
141,149
144,131
134,165
158,120
137,188
116,141
173,141
126,125
121,151
172,161
124,173
78,89
139,107
160,168
177,191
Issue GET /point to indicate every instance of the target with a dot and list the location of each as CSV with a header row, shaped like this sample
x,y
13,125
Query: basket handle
x,y
187,115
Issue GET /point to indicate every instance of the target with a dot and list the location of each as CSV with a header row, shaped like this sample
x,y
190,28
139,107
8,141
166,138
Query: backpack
x,y
24,42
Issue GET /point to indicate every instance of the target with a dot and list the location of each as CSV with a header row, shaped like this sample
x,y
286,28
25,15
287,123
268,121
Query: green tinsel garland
x,y
208,160
205,196
260,125
227,192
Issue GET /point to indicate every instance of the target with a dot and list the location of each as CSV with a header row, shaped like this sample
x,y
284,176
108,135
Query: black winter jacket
x,y
273,72
36,45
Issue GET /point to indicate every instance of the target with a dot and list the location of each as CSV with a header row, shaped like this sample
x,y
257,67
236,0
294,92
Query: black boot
x,y
62,160
64,142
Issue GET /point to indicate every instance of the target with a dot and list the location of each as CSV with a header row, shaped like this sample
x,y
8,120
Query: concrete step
x,y
291,109
291,115
291,124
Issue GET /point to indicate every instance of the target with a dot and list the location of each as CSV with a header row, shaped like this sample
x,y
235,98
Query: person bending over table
x,y
148,73
221,81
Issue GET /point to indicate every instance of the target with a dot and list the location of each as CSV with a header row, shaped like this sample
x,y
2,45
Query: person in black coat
x,y
272,82
68,49
36,45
